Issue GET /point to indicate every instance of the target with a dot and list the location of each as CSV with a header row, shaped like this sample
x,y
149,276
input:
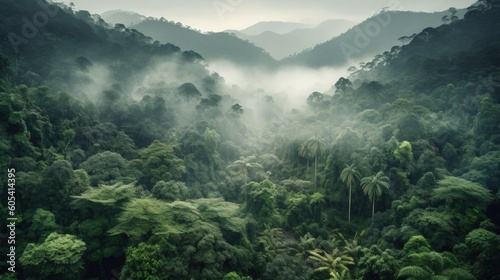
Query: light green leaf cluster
x,y
143,215
461,194
404,152
147,215
58,255
106,195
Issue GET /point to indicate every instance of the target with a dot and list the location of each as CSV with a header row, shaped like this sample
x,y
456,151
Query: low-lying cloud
x,y
294,82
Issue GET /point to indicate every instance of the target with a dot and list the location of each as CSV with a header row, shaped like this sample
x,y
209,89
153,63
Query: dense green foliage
x,y
134,160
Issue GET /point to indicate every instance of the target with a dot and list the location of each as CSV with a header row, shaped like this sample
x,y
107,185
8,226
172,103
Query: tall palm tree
x,y
304,152
314,148
335,263
349,176
373,187
246,164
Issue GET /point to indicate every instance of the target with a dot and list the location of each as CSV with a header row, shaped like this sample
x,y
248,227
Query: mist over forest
x,y
147,149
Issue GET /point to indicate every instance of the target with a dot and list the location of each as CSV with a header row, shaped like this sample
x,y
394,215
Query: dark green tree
x,y
315,99
189,92
285,267
170,191
260,198
376,264
158,162
343,85
43,224
106,168
144,261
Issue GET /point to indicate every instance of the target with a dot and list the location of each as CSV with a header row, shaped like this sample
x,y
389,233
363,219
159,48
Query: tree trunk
x,y
373,208
315,161
349,204
245,174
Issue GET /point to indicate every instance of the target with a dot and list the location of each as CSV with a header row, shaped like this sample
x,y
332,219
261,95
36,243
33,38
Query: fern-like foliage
x,y
225,214
460,194
105,195
458,274
413,272
151,216
144,216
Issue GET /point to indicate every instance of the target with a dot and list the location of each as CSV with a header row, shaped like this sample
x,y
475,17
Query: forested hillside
x,y
213,45
133,160
372,36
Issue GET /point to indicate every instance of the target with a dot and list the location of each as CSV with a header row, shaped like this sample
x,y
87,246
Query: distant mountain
x,y
211,46
283,45
279,27
375,35
127,18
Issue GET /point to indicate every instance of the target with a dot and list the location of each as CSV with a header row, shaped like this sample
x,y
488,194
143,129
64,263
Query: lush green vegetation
x,y
134,160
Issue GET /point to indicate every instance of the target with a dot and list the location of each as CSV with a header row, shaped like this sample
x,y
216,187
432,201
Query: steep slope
x,y
80,55
281,45
370,37
212,46
449,48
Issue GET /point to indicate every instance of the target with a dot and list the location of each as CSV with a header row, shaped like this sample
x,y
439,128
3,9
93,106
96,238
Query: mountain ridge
x,y
373,36
279,27
128,18
285,44
211,45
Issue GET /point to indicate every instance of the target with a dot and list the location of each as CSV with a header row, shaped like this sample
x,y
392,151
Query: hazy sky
x,y
217,15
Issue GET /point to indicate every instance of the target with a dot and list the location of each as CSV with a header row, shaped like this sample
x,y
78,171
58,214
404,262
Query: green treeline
x,y
135,161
